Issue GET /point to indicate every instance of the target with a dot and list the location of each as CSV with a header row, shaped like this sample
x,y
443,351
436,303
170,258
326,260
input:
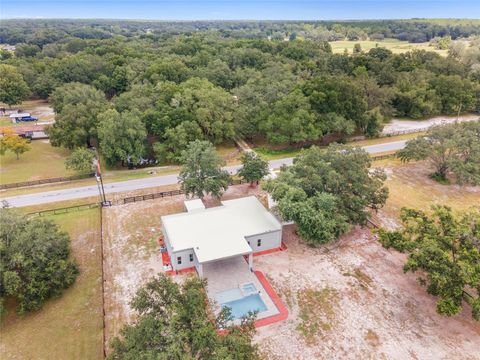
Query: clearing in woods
x,y
70,327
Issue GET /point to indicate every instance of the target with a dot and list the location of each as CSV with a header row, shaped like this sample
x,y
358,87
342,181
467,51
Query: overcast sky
x,y
235,9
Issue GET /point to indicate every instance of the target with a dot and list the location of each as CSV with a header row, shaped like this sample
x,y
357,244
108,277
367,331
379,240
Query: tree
x,y
80,160
254,168
175,323
453,147
292,120
35,260
13,142
122,136
454,92
202,172
77,107
325,191
13,88
445,247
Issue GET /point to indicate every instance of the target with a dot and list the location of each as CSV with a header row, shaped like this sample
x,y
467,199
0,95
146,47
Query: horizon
x,y
230,10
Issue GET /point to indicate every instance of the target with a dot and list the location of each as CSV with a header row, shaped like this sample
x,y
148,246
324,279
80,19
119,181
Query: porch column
x,y
250,261
200,270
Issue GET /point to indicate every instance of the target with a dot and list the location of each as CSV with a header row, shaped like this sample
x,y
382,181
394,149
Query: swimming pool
x,y
242,306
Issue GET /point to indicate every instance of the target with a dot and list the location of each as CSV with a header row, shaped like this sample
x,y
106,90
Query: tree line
x,y
41,32
160,93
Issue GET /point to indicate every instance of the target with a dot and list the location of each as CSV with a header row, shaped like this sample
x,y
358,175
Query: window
x,y
191,257
179,260
259,242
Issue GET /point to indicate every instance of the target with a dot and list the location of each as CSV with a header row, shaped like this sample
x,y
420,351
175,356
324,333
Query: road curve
x,y
130,185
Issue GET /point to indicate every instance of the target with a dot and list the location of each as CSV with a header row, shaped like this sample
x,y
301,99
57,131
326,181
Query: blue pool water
x,y
242,306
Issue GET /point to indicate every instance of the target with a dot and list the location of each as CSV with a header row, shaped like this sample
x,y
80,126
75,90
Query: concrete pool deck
x,y
224,275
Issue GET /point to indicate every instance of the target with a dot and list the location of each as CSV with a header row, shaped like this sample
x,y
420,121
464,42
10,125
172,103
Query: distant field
x,y
70,327
41,162
396,46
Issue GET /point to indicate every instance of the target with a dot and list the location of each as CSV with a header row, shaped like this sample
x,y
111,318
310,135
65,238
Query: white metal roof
x,y
219,232
194,205
19,115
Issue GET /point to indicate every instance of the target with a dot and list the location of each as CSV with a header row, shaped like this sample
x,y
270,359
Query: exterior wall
x,y
269,241
185,254
186,263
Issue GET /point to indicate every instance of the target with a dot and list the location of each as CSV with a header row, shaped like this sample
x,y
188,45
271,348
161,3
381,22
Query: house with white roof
x,y
237,228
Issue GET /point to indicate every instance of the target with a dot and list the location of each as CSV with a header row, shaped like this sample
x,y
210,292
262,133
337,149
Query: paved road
x,y
129,185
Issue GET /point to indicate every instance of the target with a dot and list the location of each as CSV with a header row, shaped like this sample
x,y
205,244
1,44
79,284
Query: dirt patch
x,y
370,310
406,125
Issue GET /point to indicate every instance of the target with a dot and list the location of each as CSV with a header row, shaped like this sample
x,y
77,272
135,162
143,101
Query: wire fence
x,y
45,181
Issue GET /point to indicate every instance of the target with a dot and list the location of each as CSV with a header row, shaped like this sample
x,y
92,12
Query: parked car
x,y
27,118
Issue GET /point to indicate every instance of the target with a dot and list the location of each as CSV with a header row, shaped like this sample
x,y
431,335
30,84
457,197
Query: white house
x,y
237,228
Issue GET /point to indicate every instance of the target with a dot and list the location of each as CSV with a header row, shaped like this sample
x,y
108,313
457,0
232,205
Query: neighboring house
x,y
28,131
237,228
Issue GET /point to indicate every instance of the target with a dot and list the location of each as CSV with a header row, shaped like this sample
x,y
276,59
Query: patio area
x,y
228,281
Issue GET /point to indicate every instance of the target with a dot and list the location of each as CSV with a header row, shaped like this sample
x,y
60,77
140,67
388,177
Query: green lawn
x,y
70,327
41,162
396,46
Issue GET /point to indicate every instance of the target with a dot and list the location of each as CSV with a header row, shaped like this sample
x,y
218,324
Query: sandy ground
x,y
406,125
373,311
378,312
131,252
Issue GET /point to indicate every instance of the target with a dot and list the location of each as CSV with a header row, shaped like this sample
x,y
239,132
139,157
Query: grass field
x,y
70,327
410,186
41,162
396,46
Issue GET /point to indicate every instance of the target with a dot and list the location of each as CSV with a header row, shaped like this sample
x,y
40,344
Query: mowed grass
x,y
41,162
396,46
70,327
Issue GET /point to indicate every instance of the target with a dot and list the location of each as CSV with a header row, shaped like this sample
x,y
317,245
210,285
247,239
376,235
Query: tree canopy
x,y
326,190
77,107
175,322
202,172
14,143
254,168
80,160
276,81
122,136
449,148
35,262
445,248
13,88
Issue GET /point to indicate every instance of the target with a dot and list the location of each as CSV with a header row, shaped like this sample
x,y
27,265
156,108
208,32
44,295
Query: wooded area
x,y
163,85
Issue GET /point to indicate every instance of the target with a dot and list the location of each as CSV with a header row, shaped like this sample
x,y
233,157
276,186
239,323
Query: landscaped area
x,y
70,327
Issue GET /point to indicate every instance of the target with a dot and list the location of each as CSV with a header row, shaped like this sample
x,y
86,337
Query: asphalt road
x,y
129,185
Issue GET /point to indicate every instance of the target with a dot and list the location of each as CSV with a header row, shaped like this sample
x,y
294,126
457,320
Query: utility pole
x,y
98,177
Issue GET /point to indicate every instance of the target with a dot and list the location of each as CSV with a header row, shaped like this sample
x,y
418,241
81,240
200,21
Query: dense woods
x,y
166,84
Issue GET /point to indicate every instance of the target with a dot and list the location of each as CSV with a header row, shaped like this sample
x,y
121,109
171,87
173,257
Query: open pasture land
x,y
43,161
131,251
396,46
409,185
70,327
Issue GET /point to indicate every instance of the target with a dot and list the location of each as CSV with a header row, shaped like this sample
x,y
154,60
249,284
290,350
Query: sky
x,y
240,10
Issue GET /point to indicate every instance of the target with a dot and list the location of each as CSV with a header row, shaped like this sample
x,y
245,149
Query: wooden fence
x,y
45,181
133,199
63,210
